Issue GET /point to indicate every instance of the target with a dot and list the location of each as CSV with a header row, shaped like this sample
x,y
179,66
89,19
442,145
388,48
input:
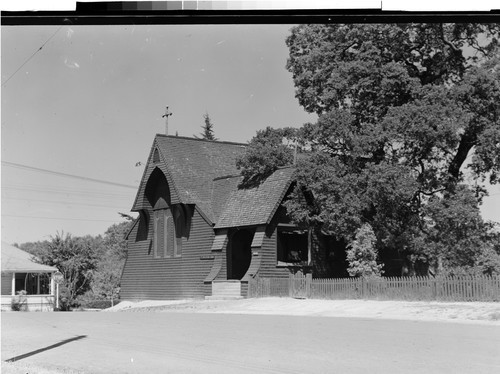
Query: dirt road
x,y
141,342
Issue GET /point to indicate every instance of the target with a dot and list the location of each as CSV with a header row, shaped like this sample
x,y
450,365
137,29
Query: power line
x,y
66,202
29,58
60,218
85,194
12,164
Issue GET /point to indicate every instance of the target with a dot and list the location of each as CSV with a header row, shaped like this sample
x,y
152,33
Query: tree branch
x,y
466,143
447,42
348,47
431,193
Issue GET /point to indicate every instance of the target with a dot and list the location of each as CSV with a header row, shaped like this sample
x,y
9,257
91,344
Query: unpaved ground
x,y
55,326
216,343
463,312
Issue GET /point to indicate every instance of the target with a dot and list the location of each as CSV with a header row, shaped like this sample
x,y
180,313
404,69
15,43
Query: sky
x,y
90,101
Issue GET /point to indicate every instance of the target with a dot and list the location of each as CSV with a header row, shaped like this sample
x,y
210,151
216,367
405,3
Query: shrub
x,y
362,255
99,304
64,299
92,301
19,302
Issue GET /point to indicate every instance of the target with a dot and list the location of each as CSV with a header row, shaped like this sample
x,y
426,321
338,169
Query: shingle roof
x,y
204,173
256,206
221,192
15,260
194,164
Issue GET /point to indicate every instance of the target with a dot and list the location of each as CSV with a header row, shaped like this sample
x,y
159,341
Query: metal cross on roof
x,y
166,115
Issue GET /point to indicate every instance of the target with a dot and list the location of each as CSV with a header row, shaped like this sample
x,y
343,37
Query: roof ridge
x,y
201,140
226,177
286,167
239,175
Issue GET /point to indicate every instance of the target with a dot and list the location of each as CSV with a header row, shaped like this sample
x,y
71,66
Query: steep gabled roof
x,y
204,173
15,260
191,165
256,206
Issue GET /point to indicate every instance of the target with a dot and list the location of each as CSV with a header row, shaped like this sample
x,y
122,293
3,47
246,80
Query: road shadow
x,y
32,353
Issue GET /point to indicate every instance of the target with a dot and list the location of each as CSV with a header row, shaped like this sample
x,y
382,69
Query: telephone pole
x,y
166,115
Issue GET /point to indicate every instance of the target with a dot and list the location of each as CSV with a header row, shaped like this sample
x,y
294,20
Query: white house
x,y
20,272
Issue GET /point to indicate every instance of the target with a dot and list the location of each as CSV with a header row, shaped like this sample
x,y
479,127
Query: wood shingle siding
x,y
222,275
148,278
269,260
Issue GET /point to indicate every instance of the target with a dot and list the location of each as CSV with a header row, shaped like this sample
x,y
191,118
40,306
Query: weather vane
x,y
166,115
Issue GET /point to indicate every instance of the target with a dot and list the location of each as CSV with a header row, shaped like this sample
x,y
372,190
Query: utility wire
x,y
69,203
29,58
84,194
12,164
60,218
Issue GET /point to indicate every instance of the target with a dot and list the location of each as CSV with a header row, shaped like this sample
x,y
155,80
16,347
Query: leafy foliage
x,y
91,265
66,301
75,257
362,255
375,66
19,302
106,279
456,236
411,91
403,111
267,151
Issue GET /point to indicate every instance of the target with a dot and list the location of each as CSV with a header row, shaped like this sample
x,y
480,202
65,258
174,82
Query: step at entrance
x,y
225,290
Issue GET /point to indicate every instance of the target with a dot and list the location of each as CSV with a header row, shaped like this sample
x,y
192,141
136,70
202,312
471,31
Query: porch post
x,y
13,293
52,284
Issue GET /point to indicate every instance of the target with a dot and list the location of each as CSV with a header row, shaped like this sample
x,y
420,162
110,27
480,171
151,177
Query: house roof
x,y
15,260
204,173
221,191
193,165
255,206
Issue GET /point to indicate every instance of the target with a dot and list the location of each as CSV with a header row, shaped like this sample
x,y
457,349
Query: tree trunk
x,y
466,143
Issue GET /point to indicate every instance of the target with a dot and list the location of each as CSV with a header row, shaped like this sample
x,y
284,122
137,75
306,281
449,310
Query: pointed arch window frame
x,y
156,156
170,222
164,234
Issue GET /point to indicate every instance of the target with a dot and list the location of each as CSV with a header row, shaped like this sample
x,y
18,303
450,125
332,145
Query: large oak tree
x,y
405,112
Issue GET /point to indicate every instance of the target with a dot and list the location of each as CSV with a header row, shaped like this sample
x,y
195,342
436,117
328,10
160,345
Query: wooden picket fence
x,y
466,288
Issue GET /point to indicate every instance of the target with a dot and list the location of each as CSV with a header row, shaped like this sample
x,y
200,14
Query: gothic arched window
x,y
164,238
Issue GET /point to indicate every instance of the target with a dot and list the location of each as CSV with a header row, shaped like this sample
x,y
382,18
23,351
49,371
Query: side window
x,y
158,233
164,238
292,246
